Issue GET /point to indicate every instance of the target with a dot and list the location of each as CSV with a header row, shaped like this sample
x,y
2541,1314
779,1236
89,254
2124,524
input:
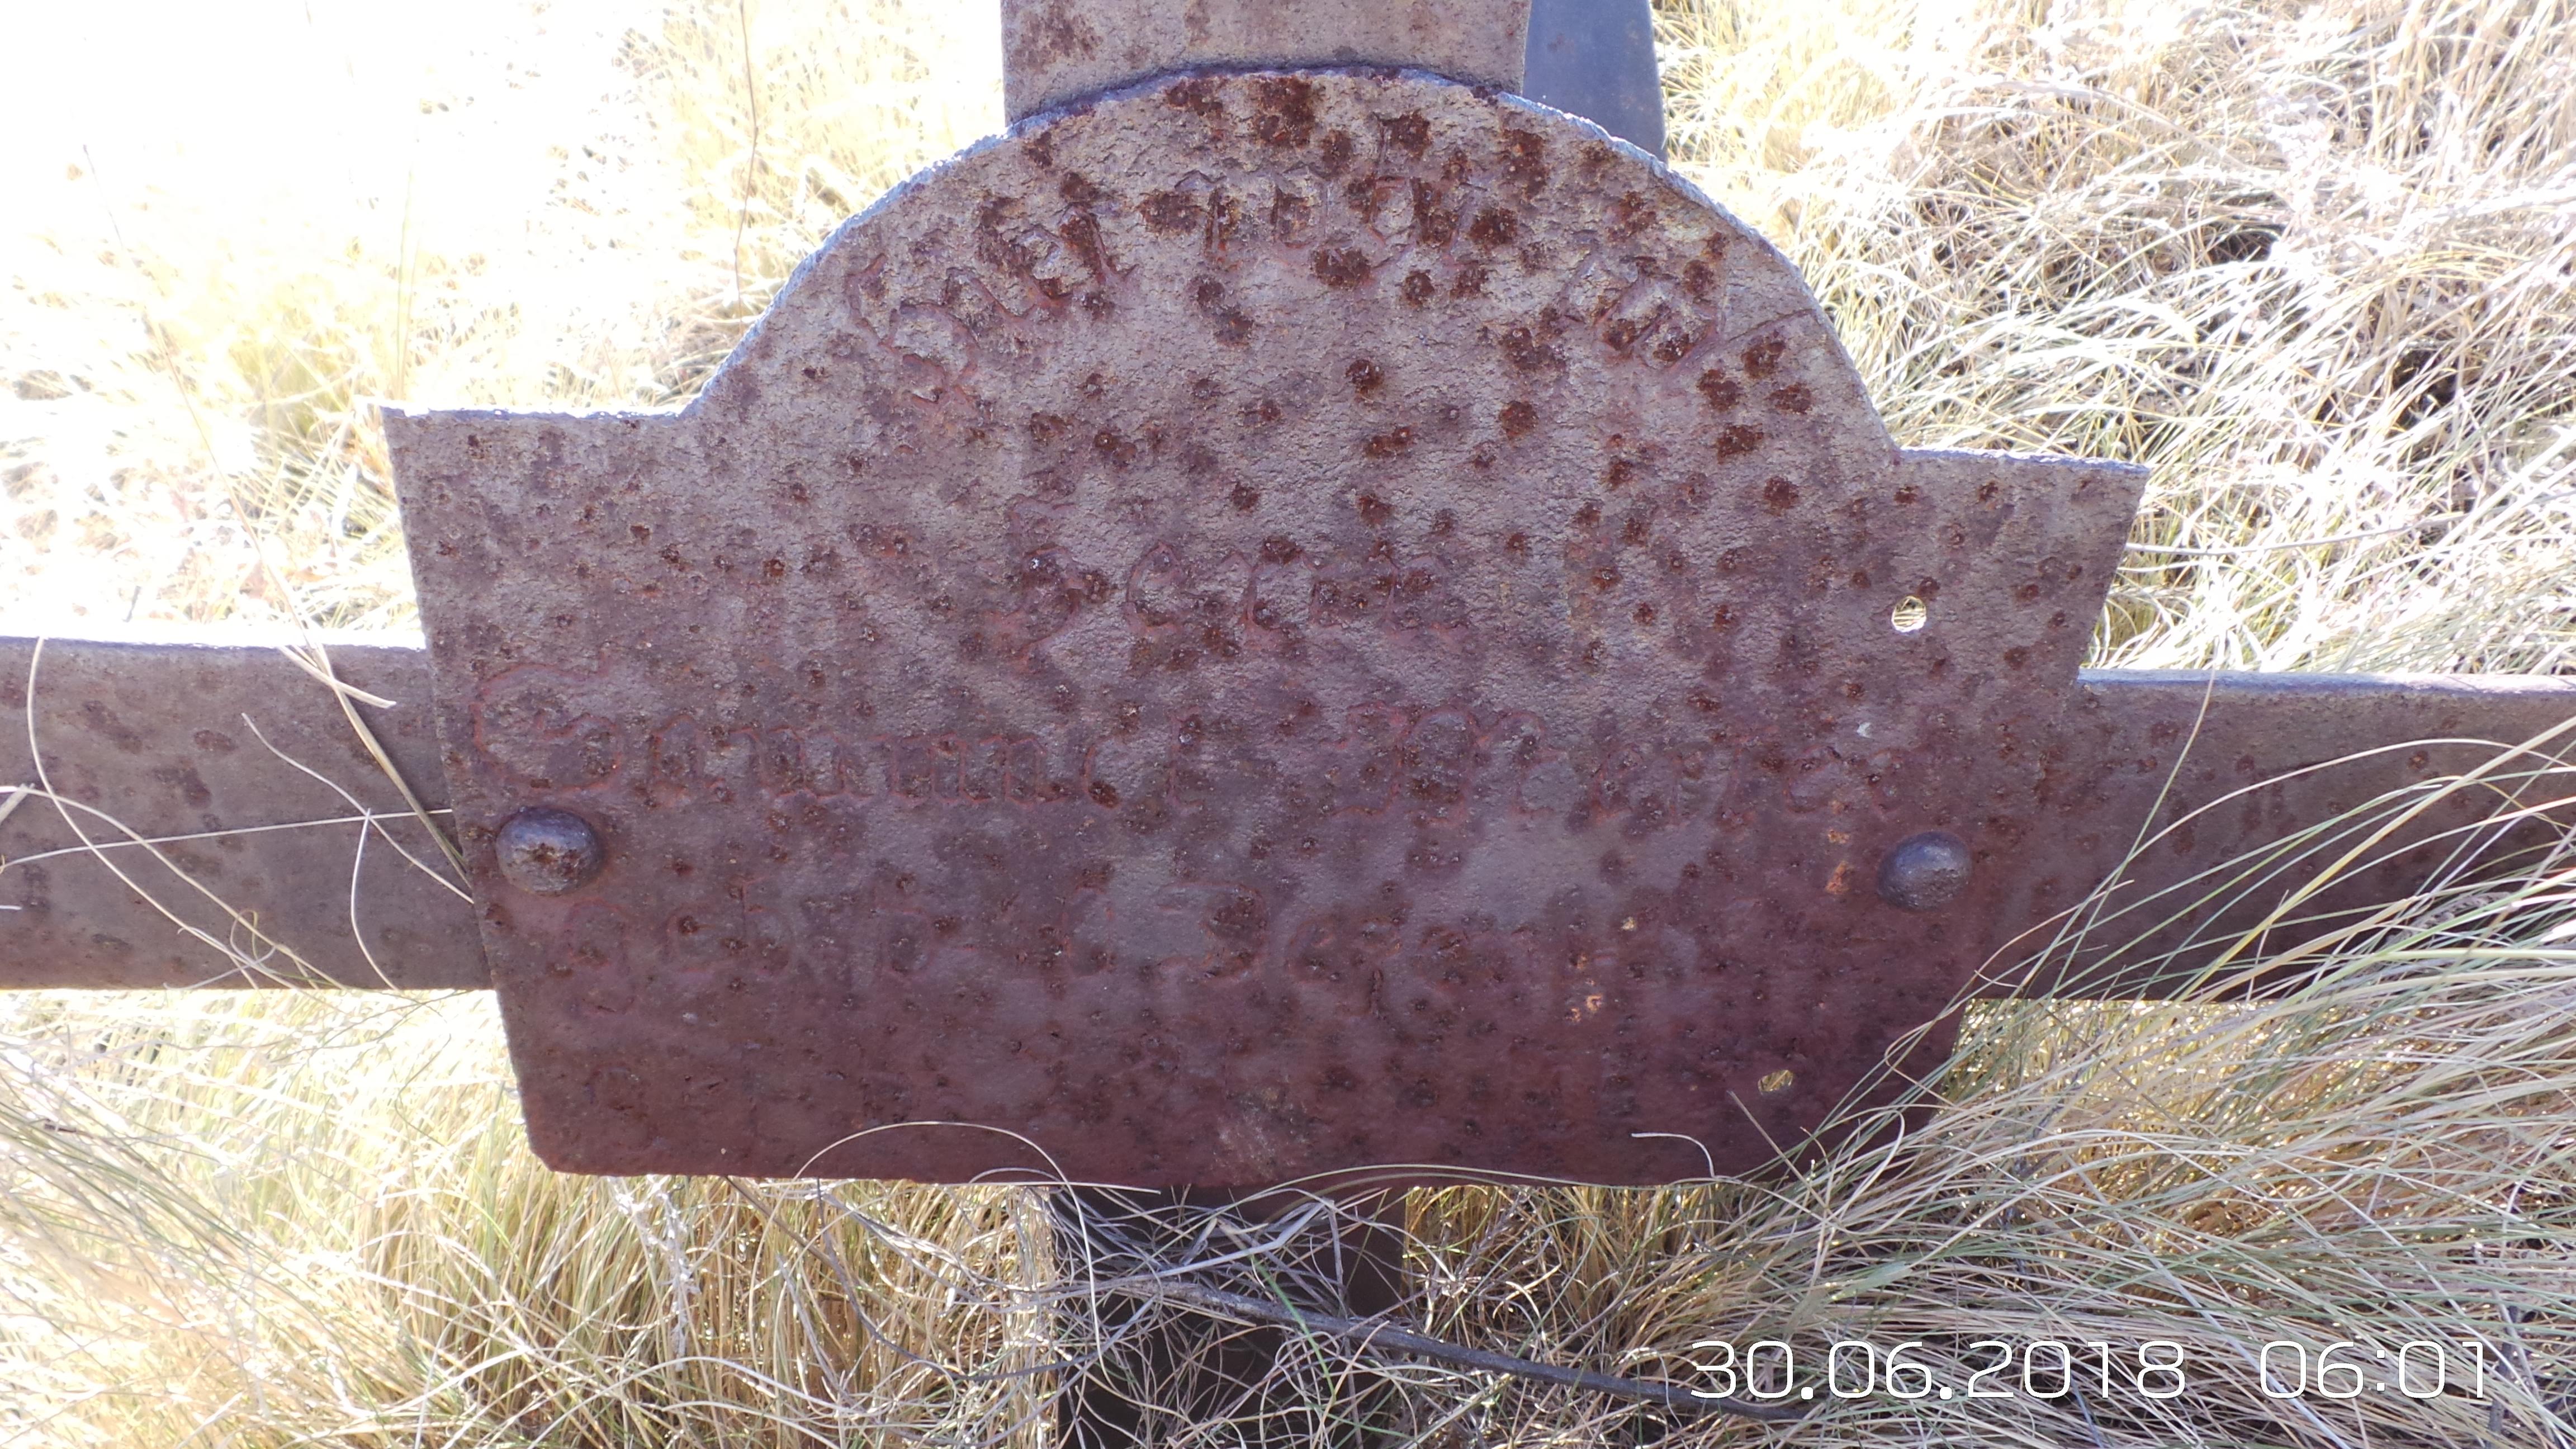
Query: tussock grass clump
x,y
313,1217
2315,262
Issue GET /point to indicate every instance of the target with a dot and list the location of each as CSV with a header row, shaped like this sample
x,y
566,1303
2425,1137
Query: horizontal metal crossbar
x,y
192,815
195,815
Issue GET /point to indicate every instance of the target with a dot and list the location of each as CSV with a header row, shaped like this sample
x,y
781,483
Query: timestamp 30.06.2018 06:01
x,y
1773,1370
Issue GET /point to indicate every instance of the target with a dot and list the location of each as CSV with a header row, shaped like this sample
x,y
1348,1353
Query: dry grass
x,y
515,204
2316,262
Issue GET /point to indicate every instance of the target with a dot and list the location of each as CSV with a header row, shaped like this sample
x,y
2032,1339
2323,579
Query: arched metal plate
x,y
1262,625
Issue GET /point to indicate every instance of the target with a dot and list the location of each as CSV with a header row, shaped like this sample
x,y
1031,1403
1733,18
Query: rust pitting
x,y
1340,267
1409,133
1283,111
1178,674
1495,226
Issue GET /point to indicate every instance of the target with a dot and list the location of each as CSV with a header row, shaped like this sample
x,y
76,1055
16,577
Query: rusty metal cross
x,y
1294,611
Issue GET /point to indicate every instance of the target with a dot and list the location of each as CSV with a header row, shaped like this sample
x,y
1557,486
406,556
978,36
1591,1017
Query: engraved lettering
x,y
531,723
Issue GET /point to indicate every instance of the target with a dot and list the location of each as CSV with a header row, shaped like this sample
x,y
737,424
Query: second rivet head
x,y
1924,872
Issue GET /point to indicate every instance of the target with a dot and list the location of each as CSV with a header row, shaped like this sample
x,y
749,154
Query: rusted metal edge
x,y
1060,52
2173,775
190,814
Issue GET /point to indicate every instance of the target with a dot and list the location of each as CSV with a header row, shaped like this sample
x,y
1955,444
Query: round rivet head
x,y
1924,872
546,852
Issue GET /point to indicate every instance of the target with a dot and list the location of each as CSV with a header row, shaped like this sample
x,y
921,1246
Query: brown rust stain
x,y
1218,670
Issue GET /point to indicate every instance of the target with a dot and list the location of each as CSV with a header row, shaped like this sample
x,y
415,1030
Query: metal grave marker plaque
x,y
1288,617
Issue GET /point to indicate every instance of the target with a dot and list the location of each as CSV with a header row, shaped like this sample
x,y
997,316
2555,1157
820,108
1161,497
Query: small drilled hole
x,y
1909,614
1777,1082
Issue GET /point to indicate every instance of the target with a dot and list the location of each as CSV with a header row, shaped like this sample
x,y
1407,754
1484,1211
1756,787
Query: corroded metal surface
x,y
2163,779
1055,52
165,741
126,730
1271,623
1224,736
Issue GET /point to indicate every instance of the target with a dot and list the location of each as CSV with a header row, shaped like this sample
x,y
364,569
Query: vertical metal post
x,y
1596,59
1163,1373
